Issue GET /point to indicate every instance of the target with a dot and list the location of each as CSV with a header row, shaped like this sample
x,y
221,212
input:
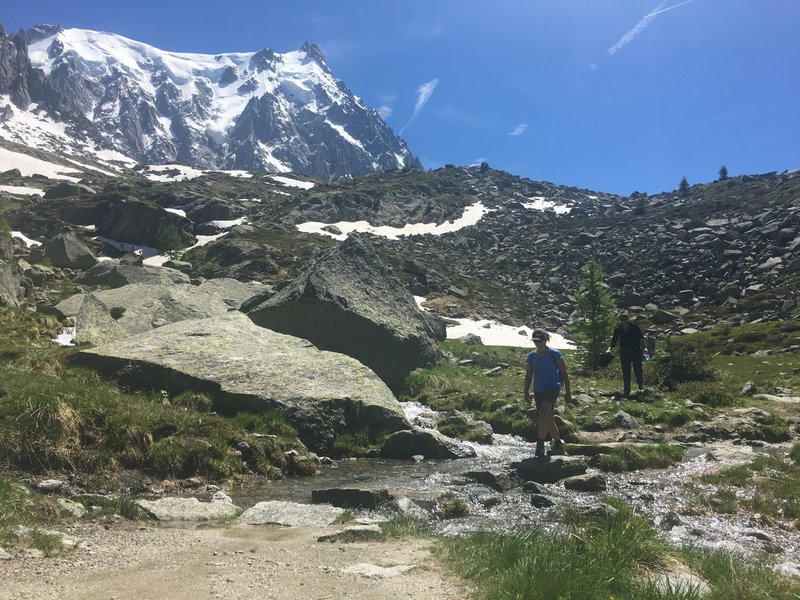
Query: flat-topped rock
x,y
245,367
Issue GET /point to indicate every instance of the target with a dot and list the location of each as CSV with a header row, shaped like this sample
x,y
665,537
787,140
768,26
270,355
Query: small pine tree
x,y
683,188
640,203
723,173
170,241
596,313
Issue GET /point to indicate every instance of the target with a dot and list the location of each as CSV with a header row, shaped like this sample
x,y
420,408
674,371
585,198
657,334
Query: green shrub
x,y
628,457
404,526
193,400
451,507
680,362
710,394
352,445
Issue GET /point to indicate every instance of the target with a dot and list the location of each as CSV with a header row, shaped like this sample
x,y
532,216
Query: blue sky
x,y
611,95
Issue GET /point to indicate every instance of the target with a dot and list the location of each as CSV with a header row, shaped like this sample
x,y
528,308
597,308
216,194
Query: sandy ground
x,y
127,561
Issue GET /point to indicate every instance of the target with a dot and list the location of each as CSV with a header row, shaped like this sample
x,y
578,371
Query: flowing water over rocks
x,y
658,494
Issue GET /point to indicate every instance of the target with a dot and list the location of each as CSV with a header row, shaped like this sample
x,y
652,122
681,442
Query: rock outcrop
x,y
137,222
68,250
136,308
10,273
428,443
115,274
348,301
246,367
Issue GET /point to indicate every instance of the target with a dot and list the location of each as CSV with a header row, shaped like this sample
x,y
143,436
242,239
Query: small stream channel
x,y
658,494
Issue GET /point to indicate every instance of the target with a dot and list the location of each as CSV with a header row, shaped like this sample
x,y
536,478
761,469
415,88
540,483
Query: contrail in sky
x,y
644,22
423,95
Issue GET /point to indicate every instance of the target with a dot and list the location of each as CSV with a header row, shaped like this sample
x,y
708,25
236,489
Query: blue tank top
x,y
546,373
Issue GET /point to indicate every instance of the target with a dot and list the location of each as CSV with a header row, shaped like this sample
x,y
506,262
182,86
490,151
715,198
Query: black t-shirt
x,y
628,339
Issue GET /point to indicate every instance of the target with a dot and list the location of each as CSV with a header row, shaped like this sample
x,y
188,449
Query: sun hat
x,y
539,335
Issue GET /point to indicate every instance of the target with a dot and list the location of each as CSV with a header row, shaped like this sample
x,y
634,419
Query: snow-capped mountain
x,y
258,110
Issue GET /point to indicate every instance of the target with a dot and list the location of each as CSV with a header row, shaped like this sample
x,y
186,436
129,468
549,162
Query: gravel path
x,y
126,561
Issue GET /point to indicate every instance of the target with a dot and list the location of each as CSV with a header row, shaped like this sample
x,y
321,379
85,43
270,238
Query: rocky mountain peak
x,y
262,111
314,53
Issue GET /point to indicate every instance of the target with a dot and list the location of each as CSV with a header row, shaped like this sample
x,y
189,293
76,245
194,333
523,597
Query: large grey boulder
x,y
348,301
549,469
10,273
67,250
233,292
246,367
138,307
191,509
138,222
425,442
290,514
115,274
346,497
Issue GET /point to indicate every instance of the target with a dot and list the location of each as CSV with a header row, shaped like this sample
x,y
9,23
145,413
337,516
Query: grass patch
x,y
628,457
449,506
598,558
748,338
58,418
769,485
595,558
21,506
735,579
403,526
357,445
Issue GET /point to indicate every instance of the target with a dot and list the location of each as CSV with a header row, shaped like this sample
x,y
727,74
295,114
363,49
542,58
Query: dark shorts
x,y
547,395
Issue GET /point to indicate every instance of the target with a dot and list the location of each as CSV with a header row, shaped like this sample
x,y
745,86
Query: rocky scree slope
x,y
727,251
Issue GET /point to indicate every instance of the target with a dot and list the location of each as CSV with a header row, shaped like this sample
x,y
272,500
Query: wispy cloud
x,y
424,30
519,130
385,111
423,95
642,24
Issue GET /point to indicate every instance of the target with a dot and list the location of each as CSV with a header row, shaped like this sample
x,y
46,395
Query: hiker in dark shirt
x,y
632,348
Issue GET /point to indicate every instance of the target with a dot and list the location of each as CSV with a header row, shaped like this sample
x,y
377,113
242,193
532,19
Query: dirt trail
x,y
126,562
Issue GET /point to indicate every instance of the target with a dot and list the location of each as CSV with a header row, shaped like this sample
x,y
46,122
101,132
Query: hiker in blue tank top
x,y
548,372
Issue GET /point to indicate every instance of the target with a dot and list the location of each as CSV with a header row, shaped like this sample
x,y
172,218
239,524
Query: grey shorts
x,y
547,395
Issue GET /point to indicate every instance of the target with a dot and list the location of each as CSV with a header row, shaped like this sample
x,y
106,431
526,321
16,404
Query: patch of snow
x,y
28,166
147,251
235,173
160,173
306,185
493,333
228,224
202,240
346,136
541,203
178,211
471,216
21,190
92,168
25,240
114,156
65,337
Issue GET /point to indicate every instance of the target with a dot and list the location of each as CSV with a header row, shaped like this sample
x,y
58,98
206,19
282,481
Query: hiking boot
x,y
539,449
558,450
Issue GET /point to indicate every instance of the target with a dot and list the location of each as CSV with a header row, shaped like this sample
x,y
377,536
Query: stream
x,y
657,494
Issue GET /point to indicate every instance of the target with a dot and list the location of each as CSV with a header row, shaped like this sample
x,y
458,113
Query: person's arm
x,y
614,339
527,389
642,341
562,366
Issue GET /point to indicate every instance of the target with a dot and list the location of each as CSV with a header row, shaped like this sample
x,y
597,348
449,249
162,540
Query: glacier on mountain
x,y
260,111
